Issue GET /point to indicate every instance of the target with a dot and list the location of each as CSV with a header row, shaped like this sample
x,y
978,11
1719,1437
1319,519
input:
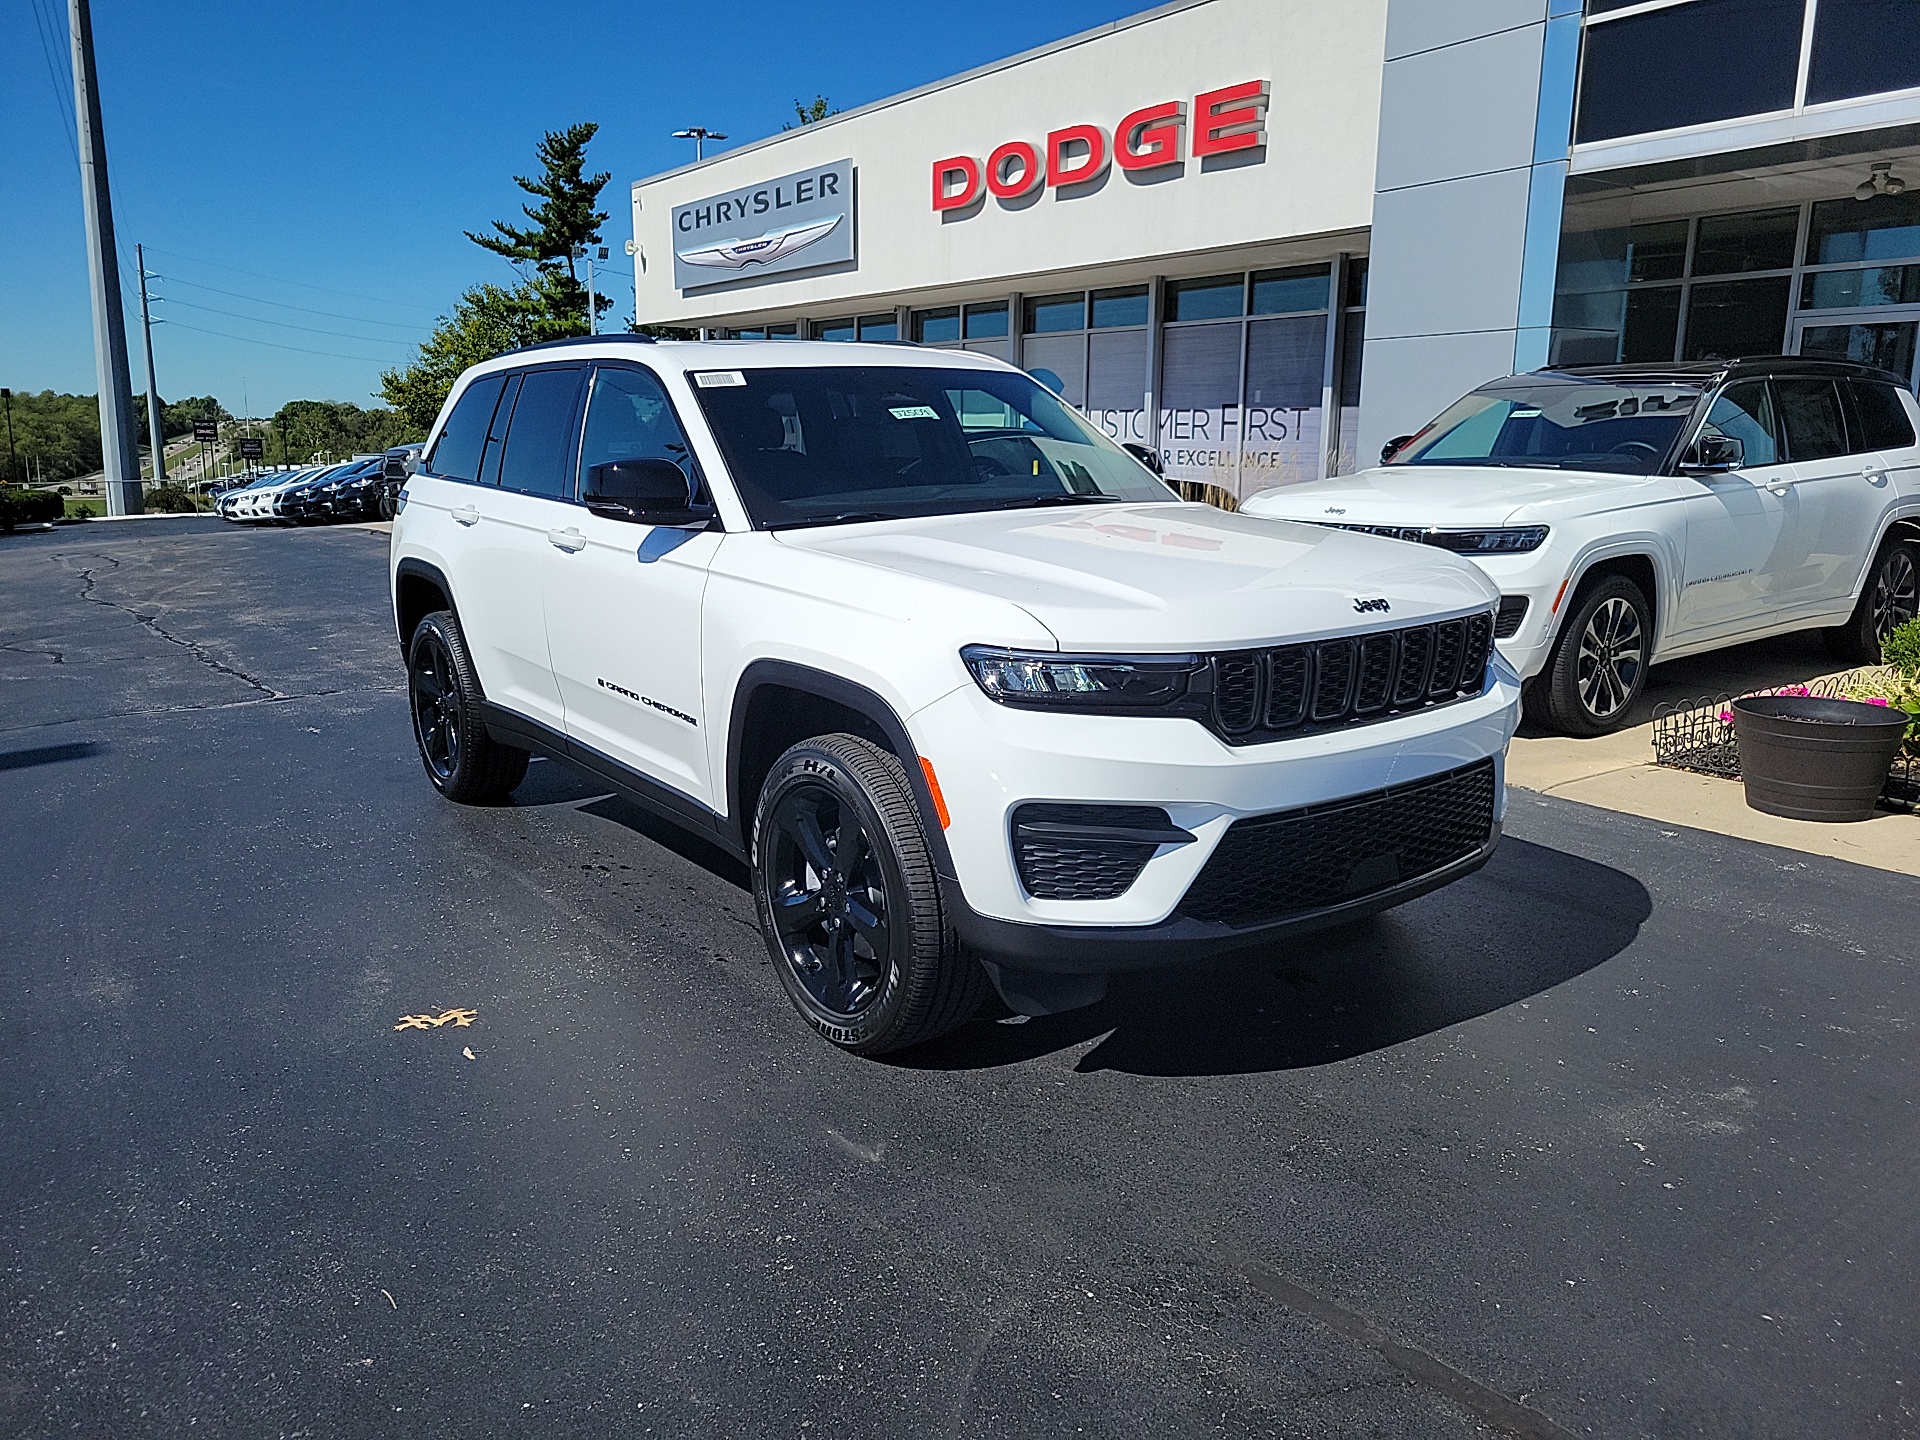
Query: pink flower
x,y
1726,717
1875,700
1793,690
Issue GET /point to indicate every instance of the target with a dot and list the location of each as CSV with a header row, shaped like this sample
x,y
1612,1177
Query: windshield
x,y
822,446
1567,423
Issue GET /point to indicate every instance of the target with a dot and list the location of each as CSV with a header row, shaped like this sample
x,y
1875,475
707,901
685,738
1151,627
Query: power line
x,y
285,324
271,345
62,94
303,284
284,305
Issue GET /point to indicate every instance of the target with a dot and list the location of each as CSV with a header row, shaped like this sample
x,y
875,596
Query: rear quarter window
x,y
456,454
1883,418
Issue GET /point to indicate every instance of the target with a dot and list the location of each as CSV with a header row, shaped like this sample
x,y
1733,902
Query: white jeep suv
x,y
971,691
1634,514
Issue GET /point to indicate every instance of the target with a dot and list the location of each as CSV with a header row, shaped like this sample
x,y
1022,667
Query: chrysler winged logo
x,y
762,249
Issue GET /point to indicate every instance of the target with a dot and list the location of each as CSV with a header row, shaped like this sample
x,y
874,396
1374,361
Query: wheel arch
x,y
418,590
778,704
1638,565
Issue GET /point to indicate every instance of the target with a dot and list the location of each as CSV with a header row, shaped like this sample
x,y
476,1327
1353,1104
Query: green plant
x,y
82,511
1888,685
25,507
1901,649
171,499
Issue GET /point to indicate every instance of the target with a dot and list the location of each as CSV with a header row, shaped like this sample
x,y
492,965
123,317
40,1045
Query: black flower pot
x,y
1810,758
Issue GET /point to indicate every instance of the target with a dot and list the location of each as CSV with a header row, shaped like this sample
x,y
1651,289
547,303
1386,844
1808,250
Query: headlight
x,y
1108,684
1513,540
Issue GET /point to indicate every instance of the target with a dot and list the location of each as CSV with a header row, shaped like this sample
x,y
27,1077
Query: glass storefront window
x,y
1851,289
1887,227
789,331
1889,346
1126,306
1737,317
1288,292
1059,362
1688,64
1657,251
1117,383
1356,297
1056,312
833,329
1214,298
987,322
879,327
1652,324
1863,47
1755,240
937,327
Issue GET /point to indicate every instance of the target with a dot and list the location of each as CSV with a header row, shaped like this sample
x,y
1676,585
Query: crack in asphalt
x,y
276,698
58,657
152,622
1500,1413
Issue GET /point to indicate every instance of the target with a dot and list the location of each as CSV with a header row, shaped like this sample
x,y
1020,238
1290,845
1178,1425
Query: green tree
x,y
486,321
814,111
565,221
304,430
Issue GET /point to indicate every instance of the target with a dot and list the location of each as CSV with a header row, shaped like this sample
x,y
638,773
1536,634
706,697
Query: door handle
x,y
466,515
1874,475
572,541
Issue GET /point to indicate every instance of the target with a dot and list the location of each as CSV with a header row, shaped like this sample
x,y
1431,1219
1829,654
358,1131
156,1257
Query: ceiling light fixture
x,y
1880,181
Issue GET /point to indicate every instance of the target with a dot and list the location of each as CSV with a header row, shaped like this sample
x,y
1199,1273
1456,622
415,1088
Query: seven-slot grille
x,y
1269,867
1264,694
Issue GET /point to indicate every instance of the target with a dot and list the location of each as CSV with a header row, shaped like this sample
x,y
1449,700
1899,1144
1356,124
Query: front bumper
x,y
991,760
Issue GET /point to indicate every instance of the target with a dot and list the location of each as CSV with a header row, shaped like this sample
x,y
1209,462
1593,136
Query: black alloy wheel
x,y
830,901
1889,599
465,763
1599,664
849,903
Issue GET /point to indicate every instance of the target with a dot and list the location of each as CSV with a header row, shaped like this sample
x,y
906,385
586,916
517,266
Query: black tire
x,y
1599,664
465,763
1889,599
849,902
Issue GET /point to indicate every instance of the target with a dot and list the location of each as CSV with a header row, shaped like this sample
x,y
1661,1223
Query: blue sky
x,y
301,173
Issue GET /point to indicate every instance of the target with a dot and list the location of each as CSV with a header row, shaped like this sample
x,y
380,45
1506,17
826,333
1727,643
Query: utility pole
x,y
593,298
119,458
699,135
154,441
13,465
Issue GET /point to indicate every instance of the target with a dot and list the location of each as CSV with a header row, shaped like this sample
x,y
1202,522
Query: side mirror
x,y
647,492
1147,456
1394,447
1716,455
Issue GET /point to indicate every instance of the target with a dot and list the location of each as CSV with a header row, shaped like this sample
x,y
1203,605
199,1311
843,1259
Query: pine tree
x,y
565,221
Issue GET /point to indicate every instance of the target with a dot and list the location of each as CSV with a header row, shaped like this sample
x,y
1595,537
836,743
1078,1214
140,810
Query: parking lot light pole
x,y
119,459
699,134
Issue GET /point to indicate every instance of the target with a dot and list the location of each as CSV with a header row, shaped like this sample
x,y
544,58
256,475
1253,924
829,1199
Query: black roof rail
x,y
624,336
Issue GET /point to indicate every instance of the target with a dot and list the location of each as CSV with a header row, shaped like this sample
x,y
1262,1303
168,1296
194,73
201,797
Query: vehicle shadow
x,y
552,783
1532,919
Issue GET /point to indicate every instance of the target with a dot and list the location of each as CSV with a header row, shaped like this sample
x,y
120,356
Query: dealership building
x,y
1266,236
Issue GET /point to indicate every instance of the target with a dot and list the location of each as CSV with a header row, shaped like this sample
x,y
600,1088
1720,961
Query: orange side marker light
x,y
933,788
1560,595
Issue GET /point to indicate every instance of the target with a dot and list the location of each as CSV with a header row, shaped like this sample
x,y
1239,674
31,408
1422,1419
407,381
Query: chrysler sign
x,y
796,222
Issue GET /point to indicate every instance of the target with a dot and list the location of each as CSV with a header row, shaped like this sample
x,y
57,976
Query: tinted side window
x,y
1811,416
1744,413
539,451
497,433
456,454
629,418
1883,418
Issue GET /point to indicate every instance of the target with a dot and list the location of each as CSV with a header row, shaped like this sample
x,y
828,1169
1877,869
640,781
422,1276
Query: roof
x,y
1707,372
736,354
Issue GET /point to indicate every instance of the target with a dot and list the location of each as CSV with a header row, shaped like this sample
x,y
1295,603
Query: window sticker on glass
x,y
913,412
710,379
1524,415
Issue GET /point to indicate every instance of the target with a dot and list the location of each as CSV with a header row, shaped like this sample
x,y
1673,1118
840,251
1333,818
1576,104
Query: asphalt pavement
x,y
330,1109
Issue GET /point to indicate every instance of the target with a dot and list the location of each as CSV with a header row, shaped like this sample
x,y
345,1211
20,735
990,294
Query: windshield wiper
x,y
845,517
1063,498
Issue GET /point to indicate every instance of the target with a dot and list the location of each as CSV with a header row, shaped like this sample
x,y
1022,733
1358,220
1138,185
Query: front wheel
x,y
1599,664
849,903
1889,599
465,763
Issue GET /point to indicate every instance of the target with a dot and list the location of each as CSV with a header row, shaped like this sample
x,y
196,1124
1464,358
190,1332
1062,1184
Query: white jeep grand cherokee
x,y
1634,514
974,695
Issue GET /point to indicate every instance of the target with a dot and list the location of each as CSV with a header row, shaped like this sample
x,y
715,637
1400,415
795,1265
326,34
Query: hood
x,y
1455,495
1166,577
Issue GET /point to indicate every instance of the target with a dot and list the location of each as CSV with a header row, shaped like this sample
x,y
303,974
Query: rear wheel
x,y
465,763
1889,599
849,903
1599,664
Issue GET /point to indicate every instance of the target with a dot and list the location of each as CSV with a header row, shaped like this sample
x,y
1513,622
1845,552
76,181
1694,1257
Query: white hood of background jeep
x,y
1165,577
1457,495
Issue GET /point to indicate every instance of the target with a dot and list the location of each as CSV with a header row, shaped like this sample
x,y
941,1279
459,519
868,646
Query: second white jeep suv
x,y
975,696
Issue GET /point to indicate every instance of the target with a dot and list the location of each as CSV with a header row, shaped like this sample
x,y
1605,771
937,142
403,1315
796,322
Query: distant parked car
x,y
400,462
